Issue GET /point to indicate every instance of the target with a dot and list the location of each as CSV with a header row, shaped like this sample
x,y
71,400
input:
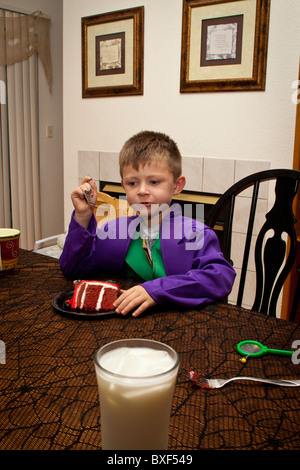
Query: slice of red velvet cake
x,y
94,296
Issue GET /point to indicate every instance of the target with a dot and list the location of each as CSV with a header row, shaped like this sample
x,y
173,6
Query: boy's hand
x,y
136,296
84,209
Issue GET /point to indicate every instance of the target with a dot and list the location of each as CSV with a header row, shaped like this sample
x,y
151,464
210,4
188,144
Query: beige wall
x,y
246,126
234,125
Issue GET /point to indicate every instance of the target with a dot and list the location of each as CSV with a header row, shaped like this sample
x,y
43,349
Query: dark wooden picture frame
x,y
238,39
113,53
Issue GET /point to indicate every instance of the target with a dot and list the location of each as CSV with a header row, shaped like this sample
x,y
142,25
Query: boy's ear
x,y
179,185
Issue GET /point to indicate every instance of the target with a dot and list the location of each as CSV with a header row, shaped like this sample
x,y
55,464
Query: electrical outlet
x,y
49,131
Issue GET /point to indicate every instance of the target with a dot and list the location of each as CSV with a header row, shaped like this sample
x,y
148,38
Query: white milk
x,y
135,399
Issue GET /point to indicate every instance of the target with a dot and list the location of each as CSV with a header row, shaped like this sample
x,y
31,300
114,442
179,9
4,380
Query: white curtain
x,y
19,151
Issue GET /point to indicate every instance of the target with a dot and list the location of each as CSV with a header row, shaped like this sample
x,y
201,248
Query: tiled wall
x,y
209,175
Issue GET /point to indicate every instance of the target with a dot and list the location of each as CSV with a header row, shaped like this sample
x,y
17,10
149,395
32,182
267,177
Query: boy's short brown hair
x,y
149,146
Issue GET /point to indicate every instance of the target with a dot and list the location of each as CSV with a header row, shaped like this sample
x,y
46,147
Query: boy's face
x,y
150,184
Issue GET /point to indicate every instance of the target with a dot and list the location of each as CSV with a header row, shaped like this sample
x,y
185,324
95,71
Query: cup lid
x,y
9,232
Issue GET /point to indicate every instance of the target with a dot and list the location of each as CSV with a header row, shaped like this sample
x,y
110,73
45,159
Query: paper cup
x,y
9,248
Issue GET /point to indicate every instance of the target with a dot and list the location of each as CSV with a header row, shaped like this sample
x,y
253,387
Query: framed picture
x,y
224,45
113,53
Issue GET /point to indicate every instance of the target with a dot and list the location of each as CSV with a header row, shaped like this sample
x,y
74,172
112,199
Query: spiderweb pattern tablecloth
x,y
48,390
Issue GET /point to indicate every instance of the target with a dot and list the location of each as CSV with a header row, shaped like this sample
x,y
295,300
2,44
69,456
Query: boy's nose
x,y
143,189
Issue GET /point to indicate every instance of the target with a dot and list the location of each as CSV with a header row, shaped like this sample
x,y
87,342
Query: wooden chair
x,y
274,257
108,208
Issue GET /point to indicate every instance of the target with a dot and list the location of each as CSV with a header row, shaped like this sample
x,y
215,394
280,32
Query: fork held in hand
x,y
218,383
87,194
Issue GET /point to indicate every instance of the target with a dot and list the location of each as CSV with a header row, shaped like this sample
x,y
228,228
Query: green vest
x,y
138,262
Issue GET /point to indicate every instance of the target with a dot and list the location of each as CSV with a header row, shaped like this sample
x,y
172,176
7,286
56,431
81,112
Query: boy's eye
x,y
131,183
154,182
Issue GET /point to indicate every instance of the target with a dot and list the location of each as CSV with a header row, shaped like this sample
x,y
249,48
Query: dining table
x,y
48,389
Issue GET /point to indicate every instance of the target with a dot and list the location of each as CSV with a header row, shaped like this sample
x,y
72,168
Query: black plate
x,y
59,304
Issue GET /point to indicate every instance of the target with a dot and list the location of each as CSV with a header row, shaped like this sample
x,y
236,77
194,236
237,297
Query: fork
x,y
87,194
218,383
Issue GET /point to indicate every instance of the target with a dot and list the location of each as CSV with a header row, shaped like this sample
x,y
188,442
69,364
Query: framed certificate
x,y
113,53
224,45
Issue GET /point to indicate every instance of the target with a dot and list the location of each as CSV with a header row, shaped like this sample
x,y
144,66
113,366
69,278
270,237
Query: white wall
x,y
50,112
234,125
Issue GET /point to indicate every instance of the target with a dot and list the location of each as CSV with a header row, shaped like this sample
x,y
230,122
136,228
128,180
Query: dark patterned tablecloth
x,y
48,390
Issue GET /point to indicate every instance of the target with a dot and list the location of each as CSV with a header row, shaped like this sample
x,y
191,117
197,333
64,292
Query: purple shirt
x,y
196,269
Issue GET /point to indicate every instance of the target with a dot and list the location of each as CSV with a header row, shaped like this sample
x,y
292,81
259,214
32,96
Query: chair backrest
x,y
274,256
108,208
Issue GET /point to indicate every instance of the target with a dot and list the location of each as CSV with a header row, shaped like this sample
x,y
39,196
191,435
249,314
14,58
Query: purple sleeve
x,y
89,252
78,256
209,279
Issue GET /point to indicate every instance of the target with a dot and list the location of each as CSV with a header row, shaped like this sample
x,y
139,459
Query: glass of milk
x,y
136,380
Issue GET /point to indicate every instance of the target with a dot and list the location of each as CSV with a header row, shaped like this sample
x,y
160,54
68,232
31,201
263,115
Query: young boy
x,y
177,259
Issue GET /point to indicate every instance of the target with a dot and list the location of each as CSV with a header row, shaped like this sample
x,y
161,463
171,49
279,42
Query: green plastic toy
x,y
255,349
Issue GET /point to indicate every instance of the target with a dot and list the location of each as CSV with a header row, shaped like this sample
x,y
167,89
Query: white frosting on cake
x,y
101,293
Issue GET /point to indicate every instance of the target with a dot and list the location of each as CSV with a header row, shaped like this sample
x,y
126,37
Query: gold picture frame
x,y
224,45
113,53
